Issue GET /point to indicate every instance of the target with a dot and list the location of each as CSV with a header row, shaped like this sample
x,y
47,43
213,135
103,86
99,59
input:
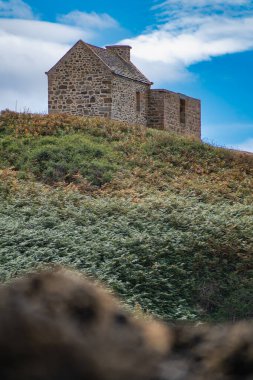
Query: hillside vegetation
x,y
165,221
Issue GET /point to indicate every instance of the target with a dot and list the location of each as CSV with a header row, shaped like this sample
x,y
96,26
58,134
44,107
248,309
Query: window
x,y
182,111
138,101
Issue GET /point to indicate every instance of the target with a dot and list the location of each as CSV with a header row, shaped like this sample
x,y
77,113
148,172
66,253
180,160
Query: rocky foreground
x,y
56,324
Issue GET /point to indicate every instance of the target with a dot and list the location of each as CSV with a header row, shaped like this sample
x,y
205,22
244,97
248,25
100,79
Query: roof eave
x,y
135,80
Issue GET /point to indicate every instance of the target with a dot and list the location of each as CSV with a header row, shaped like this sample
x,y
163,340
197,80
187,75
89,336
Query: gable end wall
x,y
80,85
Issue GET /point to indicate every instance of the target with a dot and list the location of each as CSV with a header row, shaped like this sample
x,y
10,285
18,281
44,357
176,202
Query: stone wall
x,y
174,112
156,109
80,85
124,101
193,117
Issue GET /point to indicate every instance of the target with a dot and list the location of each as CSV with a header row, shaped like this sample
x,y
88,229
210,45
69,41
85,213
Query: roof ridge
x,y
114,62
131,68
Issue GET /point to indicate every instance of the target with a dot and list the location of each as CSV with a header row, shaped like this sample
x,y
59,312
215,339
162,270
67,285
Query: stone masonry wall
x,y
164,113
124,104
156,109
172,112
80,85
193,117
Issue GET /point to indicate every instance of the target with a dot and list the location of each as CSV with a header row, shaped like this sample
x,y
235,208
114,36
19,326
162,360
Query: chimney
x,y
122,50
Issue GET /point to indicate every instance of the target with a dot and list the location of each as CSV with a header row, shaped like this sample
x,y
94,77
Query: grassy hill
x,y
165,221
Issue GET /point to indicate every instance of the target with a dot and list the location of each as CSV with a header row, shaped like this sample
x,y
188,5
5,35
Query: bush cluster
x,y
175,258
54,159
165,221
130,161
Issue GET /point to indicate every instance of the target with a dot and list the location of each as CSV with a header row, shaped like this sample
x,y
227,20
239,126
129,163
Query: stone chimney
x,y
122,50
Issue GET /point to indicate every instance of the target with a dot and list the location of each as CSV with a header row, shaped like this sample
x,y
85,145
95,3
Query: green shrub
x,y
169,225
60,159
176,258
150,161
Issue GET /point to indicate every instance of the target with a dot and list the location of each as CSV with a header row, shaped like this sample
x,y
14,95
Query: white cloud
x,y
192,31
175,7
202,3
161,71
28,50
89,20
211,2
15,8
42,30
246,145
183,41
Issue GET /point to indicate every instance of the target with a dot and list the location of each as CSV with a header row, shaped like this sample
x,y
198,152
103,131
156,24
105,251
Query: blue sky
x,y
203,48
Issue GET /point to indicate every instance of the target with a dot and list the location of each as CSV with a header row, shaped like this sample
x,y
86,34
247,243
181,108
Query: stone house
x,y
93,81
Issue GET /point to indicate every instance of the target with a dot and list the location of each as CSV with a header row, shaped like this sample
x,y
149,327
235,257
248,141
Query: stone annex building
x,y
93,81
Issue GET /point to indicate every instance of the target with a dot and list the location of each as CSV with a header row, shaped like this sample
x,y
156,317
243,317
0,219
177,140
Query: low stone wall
x,y
156,109
174,112
193,117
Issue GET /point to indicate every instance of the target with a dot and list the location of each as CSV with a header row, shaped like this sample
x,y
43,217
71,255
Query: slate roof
x,y
114,62
118,65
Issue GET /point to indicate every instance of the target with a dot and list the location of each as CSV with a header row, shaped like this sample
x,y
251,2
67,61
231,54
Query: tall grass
x,y
166,221
133,161
177,258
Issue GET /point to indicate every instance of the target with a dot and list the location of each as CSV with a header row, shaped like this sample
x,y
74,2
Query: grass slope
x,y
165,221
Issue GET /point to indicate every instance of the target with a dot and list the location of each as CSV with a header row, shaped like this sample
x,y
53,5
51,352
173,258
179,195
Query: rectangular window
x,y
182,111
138,101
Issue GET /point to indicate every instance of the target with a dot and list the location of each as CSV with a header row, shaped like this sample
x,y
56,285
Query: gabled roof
x,y
118,65
115,63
